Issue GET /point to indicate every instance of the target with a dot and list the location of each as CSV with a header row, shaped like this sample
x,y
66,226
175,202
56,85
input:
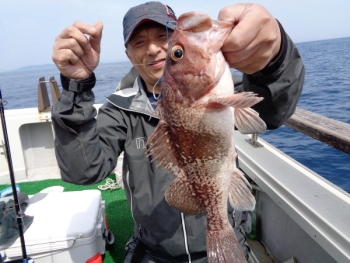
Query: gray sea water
x,y
326,91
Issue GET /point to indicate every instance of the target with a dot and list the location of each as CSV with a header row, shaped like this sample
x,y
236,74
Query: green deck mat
x,y
117,210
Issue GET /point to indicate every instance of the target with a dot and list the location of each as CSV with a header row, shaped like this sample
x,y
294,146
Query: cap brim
x,y
170,24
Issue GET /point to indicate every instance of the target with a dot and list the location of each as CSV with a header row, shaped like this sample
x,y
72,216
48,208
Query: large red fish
x,y
194,139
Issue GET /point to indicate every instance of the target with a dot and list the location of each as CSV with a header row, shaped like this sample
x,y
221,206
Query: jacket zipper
x,y
131,203
185,237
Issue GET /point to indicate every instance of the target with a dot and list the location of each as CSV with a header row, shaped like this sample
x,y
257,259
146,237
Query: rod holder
x,y
43,97
254,141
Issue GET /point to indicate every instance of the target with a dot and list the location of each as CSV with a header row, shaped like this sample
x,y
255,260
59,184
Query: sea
x,y
326,91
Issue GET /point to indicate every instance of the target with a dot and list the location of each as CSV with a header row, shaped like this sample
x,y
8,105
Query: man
x,y
87,148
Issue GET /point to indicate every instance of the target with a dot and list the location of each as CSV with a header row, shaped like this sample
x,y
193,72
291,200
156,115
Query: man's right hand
x,y
75,54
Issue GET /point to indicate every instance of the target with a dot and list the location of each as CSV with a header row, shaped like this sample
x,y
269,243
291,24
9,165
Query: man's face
x,y
147,49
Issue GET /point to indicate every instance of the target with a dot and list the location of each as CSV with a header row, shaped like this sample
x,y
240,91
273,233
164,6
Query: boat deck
x,y
259,254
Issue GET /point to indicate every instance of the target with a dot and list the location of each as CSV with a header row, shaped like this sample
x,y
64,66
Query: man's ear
x,y
127,54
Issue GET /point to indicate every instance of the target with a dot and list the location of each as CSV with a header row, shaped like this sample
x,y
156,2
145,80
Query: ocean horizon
x,y
52,65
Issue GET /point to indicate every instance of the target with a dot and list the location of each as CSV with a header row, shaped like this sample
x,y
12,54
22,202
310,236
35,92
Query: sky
x,y
28,28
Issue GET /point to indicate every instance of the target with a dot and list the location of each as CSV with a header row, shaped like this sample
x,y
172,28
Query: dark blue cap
x,y
152,11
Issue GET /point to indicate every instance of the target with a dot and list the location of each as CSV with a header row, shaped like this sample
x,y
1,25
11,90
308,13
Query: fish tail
x,y
223,247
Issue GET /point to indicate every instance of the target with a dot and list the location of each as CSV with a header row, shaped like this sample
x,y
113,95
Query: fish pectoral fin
x,y
181,196
161,147
238,100
248,121
240,196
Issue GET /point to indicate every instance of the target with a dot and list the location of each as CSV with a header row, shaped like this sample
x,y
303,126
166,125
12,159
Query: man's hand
x,y
75,54
255,39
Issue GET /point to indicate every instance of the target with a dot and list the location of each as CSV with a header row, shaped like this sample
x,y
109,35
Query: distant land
x,y
36,67
48,66
31,67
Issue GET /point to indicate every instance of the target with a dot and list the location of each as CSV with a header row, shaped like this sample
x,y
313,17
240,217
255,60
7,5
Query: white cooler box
x,y
67,227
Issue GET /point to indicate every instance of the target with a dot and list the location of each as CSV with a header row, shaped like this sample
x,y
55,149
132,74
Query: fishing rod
x,y
19,212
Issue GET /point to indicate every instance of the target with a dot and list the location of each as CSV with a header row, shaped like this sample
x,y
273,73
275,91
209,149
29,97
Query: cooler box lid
x,y
60,219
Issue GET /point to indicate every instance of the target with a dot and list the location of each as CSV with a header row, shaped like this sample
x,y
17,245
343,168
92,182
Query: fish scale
x,y
194,139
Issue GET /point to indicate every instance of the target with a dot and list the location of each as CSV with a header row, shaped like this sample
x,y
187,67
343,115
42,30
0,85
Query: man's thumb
x,y
95,39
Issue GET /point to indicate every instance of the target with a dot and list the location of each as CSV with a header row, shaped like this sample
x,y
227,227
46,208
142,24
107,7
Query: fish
x,y
194,139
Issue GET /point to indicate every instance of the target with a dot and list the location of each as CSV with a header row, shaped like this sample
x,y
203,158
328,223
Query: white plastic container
x,y
68,227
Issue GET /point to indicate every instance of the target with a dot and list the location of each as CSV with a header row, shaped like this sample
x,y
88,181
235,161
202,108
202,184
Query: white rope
x,y
111,184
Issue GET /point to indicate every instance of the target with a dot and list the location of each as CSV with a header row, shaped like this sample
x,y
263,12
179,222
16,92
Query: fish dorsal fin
x,y
247,120
160,145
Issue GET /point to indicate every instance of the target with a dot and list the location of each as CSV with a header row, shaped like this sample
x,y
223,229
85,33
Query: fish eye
x,y
177,53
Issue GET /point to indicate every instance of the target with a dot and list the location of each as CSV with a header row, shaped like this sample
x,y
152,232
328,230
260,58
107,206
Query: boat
x,y
299,216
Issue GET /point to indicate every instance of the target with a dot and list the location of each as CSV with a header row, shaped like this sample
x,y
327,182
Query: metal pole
x,y
13,183
254,141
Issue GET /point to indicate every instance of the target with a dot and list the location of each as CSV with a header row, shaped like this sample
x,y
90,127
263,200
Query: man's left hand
x,y
255,39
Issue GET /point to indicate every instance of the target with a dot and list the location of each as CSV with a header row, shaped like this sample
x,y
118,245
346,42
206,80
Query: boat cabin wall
x,y
31,143
283,237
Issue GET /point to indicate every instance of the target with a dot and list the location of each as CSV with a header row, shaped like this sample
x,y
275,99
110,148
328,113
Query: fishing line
x,y
154,95
3,29
167,28
160,79
140,64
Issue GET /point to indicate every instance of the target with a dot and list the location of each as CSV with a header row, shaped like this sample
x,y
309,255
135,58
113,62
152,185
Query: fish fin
x,y
238,100
222,246
240,196
248,121
159,108
181,196
161,147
